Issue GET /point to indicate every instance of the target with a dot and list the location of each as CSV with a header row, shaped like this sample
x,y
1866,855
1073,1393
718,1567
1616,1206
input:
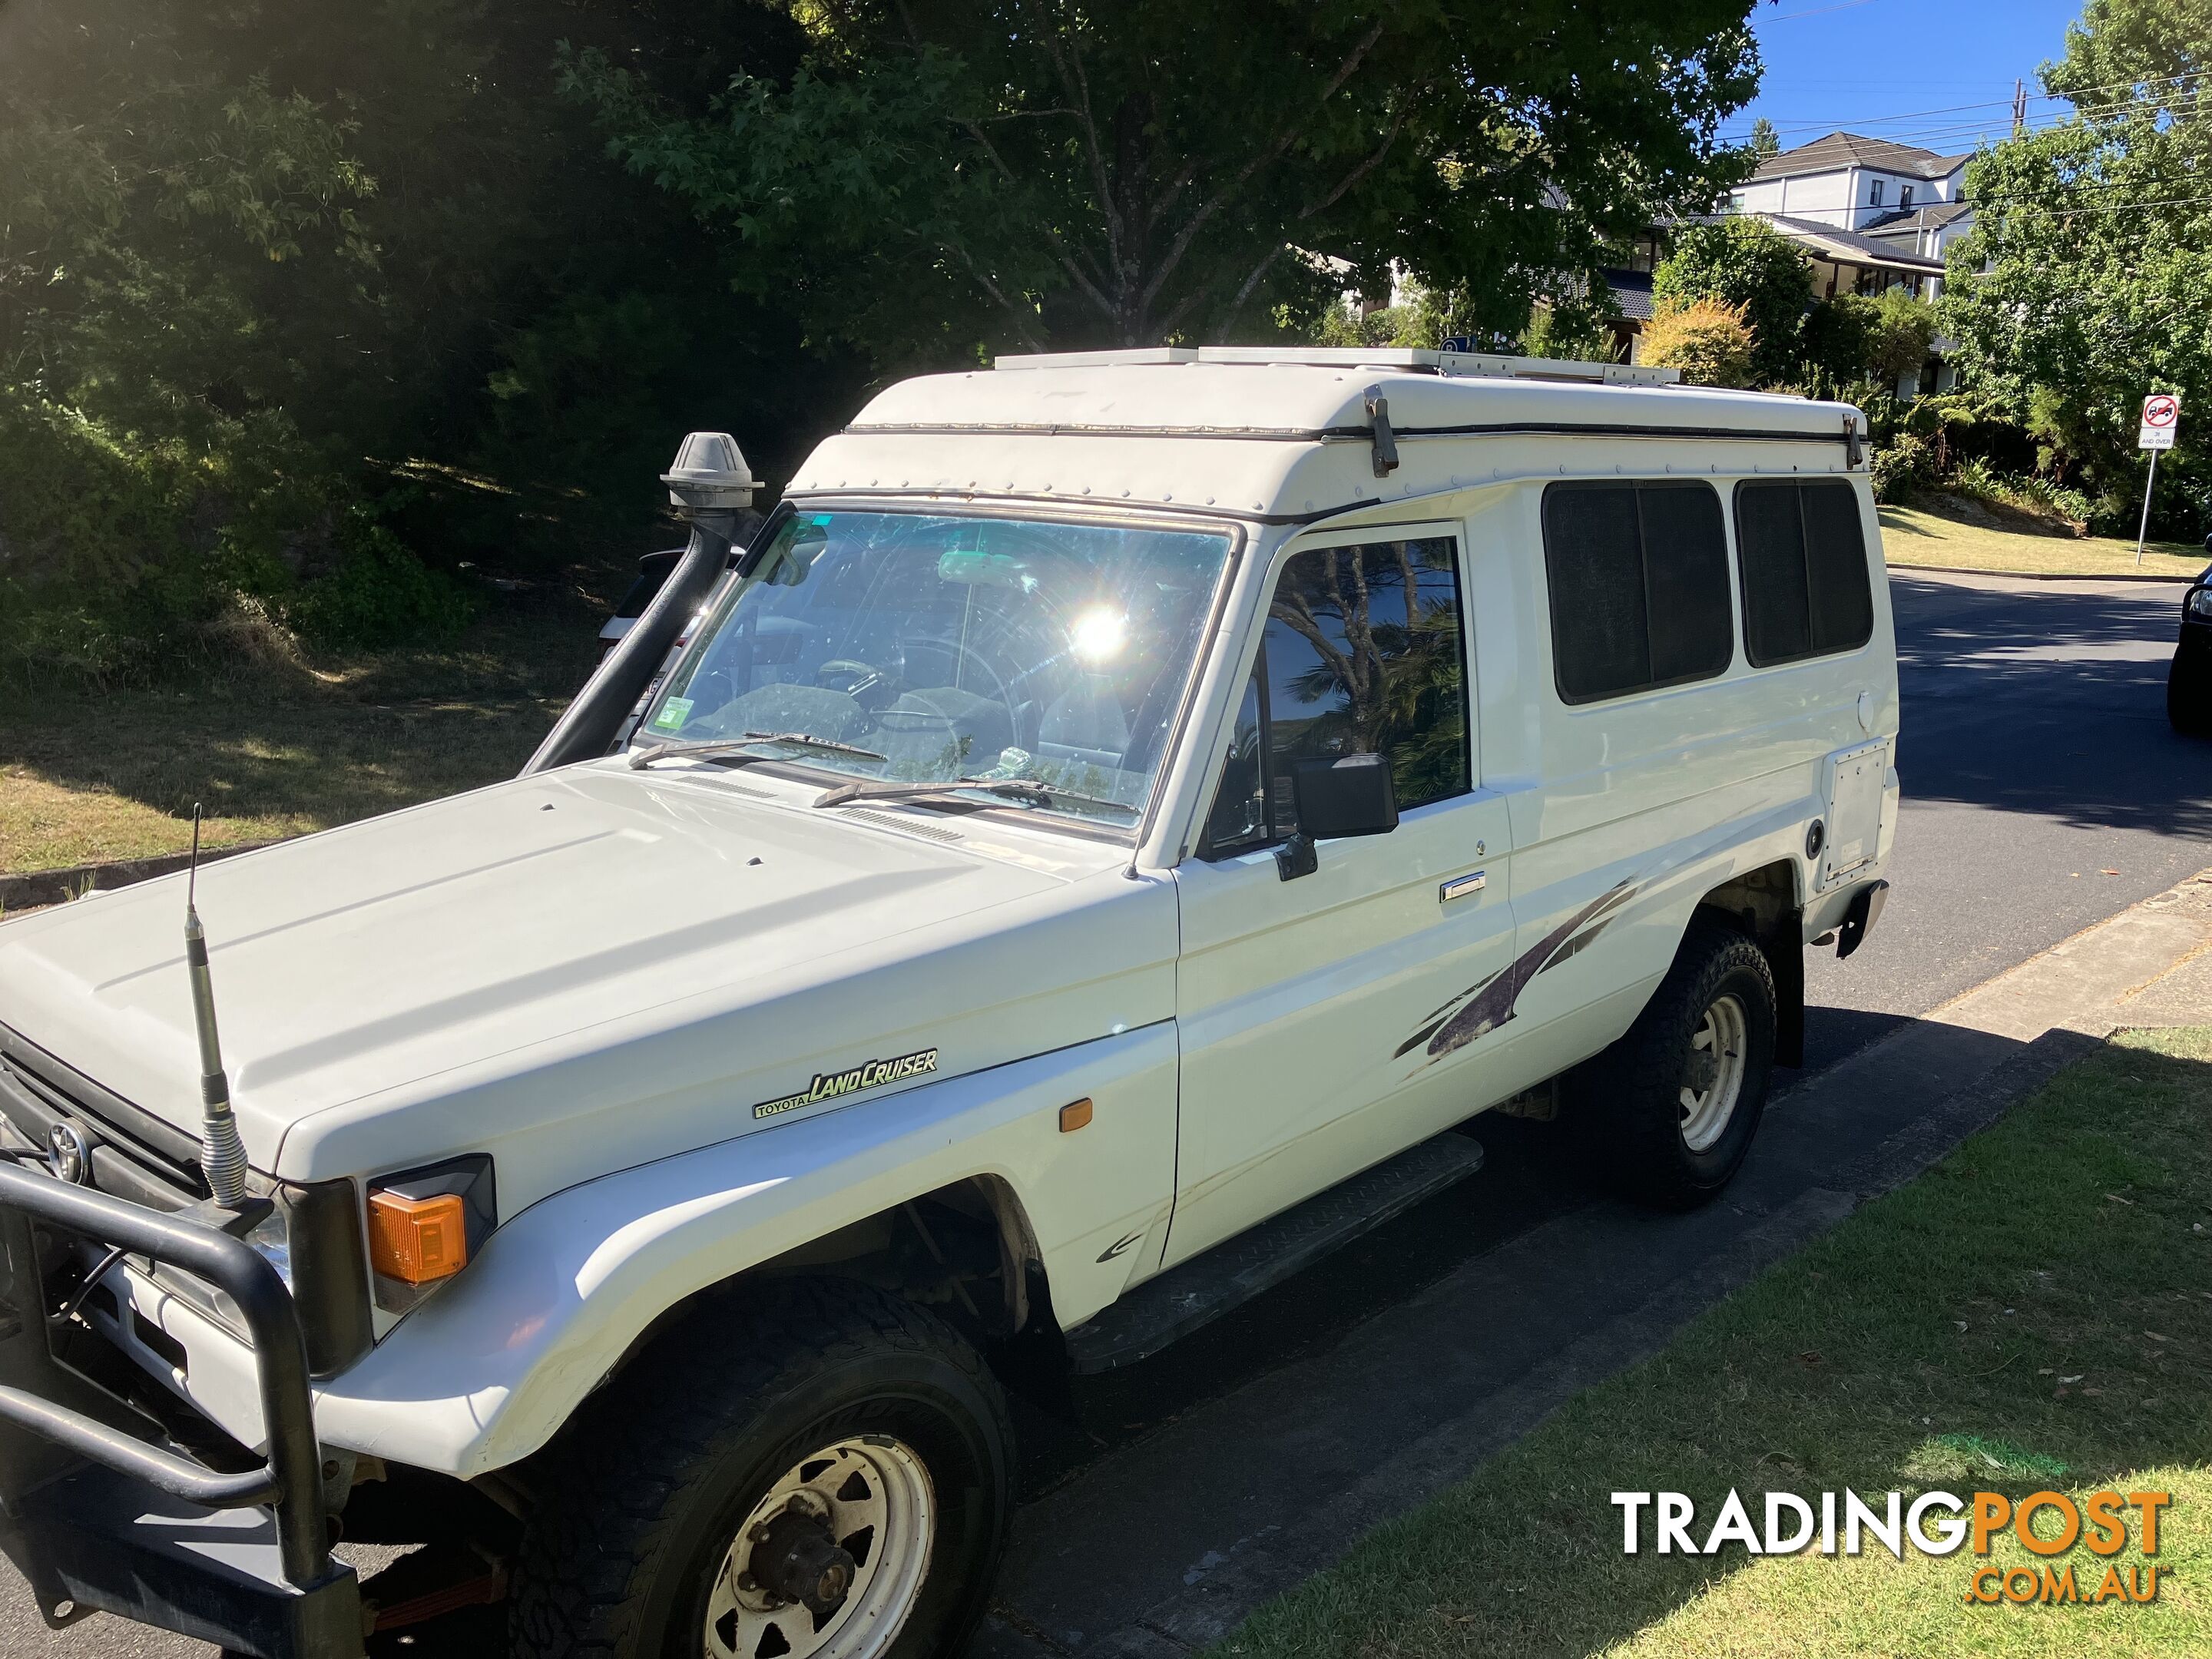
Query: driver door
x,y
1321,1017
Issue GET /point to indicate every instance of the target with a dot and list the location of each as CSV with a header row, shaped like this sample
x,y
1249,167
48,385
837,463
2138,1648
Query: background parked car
x,y
2188,682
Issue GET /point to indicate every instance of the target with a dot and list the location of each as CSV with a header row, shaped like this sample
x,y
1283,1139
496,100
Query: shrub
x,y
1903,465
1837,338
380,594
1975,477
1709,340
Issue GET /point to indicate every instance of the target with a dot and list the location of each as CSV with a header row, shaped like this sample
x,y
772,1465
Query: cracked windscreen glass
x,y
956,647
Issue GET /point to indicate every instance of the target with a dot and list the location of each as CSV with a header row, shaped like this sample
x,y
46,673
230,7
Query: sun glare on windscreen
x,y
1098,635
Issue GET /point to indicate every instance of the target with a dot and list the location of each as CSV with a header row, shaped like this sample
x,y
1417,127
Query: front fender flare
x,y
488,1370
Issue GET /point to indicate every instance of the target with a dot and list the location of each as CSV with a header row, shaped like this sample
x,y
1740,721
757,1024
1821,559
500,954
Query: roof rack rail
x,y
1465,365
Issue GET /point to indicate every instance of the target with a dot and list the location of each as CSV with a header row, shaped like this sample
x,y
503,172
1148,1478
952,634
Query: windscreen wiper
x,y
734,748
1020,789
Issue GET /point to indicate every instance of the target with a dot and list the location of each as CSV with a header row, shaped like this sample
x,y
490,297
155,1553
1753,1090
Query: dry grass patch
x,y
1914,536
275,749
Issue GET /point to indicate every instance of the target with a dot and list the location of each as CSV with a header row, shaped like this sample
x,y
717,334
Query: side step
x,y
1204,1288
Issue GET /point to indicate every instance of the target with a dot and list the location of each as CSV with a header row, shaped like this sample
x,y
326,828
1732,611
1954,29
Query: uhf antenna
x,y
222,1155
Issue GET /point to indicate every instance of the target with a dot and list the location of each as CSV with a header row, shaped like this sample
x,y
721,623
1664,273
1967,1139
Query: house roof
x,y
1631,295
1851,150
1850,246
1935,214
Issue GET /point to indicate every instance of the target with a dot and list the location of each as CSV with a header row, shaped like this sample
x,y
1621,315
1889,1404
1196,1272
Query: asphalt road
x,y
2042,788
2043,792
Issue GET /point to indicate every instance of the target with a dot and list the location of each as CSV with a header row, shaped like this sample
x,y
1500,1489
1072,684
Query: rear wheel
x,y
823,1473
1669,1111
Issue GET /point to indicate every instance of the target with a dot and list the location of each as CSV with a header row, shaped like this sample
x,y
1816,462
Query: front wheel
x,y
823,1471
1668,1112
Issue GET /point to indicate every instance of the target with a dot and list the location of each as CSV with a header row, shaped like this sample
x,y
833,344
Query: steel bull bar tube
x,y
289,1481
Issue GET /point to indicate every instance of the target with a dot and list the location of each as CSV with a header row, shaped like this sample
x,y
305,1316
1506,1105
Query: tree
x,y
1744,263
1901,335
1156,171
1765,140
1709,340
285,288
1855,336
2098,250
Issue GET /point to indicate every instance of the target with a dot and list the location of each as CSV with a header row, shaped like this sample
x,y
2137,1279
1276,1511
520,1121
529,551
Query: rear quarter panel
x,y
1664,794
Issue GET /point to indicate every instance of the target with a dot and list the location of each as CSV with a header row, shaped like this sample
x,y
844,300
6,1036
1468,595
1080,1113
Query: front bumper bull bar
x,y
101,1518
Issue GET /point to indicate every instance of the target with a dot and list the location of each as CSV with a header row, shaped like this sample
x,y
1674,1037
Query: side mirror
x,y
1351,795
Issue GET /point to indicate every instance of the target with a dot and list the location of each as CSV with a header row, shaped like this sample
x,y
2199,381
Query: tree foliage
x,y
1157,172
1746,263
2097,238
320,305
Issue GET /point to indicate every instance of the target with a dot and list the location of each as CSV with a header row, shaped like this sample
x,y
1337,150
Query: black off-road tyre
x,y
2189,694
1626,1104
641,1497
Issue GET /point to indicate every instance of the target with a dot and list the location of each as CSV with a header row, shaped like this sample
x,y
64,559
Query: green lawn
x,y
2034,1312
1914,536
281,747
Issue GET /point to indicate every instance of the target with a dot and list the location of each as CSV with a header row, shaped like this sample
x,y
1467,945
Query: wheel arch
x,y
1766,905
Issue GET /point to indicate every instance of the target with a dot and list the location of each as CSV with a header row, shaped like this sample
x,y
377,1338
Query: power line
x,y
2073,97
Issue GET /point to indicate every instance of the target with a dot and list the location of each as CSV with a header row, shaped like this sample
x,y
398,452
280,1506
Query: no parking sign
x,y
2161,420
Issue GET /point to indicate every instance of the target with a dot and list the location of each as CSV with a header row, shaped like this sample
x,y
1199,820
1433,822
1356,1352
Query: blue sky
x,y
1936,73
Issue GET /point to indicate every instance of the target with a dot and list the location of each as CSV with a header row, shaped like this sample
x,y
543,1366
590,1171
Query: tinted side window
x,y
1639,586
1362,652
1806,588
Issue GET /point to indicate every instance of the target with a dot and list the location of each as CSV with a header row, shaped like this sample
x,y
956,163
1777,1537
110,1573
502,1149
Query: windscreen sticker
x,y
827,1085
674,714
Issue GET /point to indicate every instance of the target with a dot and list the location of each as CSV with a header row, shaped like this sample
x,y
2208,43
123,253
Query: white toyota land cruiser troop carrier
x,y
1117,804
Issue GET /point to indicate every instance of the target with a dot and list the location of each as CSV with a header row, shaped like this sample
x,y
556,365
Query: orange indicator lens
x,y
417,1241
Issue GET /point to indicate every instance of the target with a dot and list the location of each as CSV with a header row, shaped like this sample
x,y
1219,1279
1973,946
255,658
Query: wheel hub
x,y
794,1558
1713,1074
829,1562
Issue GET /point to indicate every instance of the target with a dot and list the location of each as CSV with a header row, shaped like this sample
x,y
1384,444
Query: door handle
x,y
1460,887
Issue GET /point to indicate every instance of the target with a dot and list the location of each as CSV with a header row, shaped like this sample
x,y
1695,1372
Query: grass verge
x,y
281,747
1914,536
2035,1312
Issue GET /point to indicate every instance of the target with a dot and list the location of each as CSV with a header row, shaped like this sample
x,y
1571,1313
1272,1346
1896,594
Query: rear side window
x,y
1806,590
1639,586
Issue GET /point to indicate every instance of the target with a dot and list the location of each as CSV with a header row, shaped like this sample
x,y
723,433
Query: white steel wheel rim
x,y
1713,1082
874,1493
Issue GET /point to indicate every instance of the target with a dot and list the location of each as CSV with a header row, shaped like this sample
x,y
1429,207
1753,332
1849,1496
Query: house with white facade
x,y
1867,214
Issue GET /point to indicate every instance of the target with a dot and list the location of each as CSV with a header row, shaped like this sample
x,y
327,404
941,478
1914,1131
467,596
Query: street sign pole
x,y
2143,528
2160,425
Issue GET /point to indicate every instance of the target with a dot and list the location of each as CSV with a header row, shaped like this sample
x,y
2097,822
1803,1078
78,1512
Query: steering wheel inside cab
x,y
857,680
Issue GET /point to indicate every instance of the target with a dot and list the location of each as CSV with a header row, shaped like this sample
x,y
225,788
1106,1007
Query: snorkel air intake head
x,y
709,475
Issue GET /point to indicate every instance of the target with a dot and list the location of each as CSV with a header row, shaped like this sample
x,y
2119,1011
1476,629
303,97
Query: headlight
x,y
425,1226
314,1240
2200,604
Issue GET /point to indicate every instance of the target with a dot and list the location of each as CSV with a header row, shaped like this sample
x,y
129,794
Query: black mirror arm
x,y
1295,857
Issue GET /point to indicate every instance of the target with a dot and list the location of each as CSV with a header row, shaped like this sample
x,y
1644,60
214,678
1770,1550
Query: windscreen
x,y
954,646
